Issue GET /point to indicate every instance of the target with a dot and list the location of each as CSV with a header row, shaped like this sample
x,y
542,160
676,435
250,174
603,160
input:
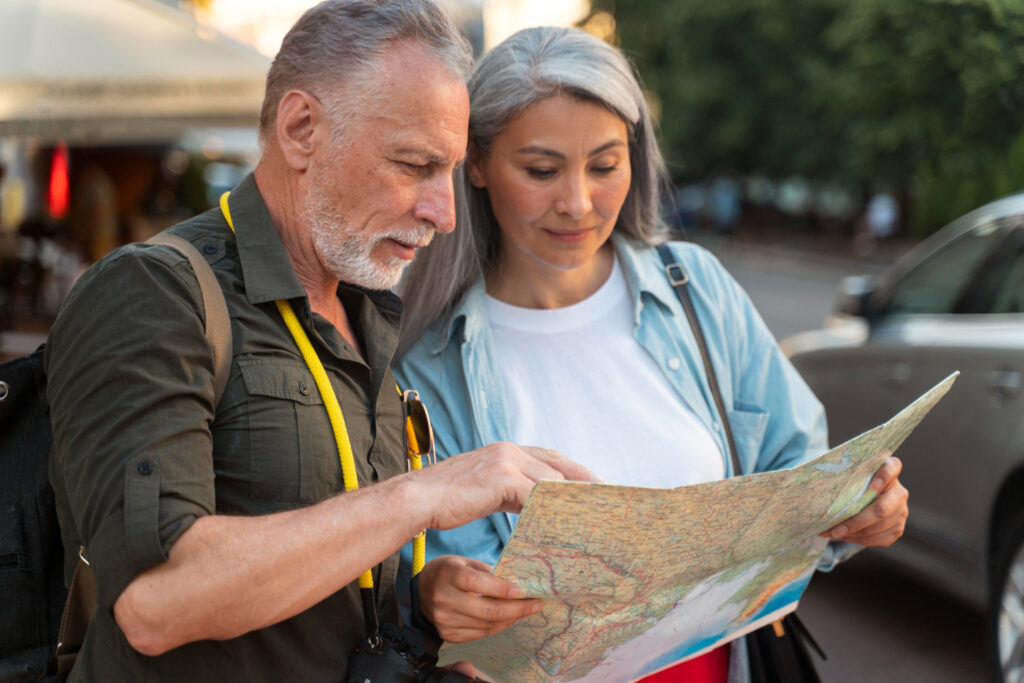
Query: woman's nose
x,y
575,199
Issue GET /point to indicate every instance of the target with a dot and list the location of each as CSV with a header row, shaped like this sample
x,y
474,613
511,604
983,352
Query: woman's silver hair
x,y
530,66
334,50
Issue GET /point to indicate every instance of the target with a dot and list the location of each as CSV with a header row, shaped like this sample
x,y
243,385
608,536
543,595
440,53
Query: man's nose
x,y
437,205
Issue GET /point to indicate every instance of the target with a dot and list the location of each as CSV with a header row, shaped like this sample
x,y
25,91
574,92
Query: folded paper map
x,y
637,579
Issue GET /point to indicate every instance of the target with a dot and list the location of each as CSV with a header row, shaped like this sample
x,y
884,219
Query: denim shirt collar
x,y
466,318
644,278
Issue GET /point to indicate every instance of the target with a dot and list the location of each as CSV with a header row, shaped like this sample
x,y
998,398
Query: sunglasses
x,y
419,436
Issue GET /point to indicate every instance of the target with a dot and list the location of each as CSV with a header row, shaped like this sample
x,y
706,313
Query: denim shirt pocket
x,y
749,426
289,431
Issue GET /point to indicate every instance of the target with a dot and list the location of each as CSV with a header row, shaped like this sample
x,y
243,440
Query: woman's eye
x,y
605,170
540,173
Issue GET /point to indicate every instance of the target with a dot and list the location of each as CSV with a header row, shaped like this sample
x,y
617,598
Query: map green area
x,y
637,579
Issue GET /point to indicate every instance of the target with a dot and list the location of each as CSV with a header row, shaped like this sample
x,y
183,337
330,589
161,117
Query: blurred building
x,y
263,23
96,103
121,117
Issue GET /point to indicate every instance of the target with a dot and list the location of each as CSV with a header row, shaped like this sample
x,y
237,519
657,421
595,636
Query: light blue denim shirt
x,y
776,421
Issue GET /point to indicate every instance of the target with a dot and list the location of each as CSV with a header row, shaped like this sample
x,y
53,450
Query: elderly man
x,y
221,547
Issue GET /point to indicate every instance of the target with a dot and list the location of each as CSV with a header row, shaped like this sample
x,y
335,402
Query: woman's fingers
x,y
464,601
883,521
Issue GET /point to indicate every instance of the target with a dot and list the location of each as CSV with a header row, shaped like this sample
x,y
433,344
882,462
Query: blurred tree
x,y
733,78
904,95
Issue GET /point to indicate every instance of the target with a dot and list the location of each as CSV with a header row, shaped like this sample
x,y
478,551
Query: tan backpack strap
x,y
218,323
81,600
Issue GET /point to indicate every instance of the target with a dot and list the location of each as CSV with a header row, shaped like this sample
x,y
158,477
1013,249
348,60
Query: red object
x,y
710,667
59,194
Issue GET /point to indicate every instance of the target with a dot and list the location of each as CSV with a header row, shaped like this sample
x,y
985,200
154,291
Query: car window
x,y
1008,295
938,283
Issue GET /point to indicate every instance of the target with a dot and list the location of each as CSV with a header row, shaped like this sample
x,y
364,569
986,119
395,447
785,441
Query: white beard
x,y
348,254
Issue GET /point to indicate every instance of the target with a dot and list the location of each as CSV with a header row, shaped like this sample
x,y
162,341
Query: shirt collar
x,y
644,275
466,317
266,269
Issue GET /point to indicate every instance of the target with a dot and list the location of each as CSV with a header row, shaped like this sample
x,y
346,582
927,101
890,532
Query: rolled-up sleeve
x,y
130,387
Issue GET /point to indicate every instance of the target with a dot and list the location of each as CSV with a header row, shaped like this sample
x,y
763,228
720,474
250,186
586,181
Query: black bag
x,y
31,554
34,604
783,658
778,652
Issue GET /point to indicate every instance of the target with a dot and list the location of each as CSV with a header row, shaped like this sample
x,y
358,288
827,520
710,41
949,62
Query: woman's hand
x,y
882,522
461,598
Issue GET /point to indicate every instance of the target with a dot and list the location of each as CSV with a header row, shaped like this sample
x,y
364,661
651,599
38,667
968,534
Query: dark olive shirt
x,y
141,451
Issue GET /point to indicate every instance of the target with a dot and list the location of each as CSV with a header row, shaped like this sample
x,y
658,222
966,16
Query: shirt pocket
x,y
749,425
291,453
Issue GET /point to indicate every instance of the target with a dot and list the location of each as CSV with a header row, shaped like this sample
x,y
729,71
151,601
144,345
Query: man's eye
x,y
540,173
415,168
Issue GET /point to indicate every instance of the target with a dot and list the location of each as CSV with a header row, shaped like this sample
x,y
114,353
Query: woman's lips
x,y
569,236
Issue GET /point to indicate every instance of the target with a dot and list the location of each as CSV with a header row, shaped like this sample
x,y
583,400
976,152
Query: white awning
x,y
102,71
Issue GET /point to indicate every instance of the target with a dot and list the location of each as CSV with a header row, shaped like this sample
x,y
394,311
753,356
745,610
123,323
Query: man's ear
x,y
475,165
299,116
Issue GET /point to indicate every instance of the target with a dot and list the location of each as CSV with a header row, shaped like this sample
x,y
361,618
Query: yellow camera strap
x,y
336,417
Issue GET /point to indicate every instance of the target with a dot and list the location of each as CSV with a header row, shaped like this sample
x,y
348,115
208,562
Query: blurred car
x,y
956,302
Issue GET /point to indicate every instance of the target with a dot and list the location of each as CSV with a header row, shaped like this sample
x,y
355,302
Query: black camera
x,y
399,655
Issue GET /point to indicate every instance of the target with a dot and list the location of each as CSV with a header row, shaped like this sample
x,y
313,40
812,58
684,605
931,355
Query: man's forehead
x,y
419,106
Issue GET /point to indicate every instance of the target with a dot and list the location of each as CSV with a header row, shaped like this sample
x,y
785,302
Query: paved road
x,y
794,289
875,623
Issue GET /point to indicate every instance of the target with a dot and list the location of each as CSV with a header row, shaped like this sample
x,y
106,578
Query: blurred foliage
x,y
921,97
192,191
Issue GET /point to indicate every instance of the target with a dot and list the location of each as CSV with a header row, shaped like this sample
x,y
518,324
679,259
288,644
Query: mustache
x,y
418,237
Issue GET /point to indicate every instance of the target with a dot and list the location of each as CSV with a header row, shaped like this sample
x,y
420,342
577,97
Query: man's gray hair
x,y
337,44
530,66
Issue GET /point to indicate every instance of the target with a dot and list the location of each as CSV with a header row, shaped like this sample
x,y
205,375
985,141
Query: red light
x,y
59,194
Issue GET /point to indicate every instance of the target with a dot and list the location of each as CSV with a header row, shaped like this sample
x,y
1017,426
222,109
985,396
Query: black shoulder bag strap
x,y
678,278
81,600
777,652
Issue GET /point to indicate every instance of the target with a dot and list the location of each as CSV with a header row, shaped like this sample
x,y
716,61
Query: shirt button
x,y
673,364
717,426
303,388
144,468
209,249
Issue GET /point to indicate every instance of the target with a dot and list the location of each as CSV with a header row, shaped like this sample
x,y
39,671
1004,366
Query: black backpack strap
x,y
679,280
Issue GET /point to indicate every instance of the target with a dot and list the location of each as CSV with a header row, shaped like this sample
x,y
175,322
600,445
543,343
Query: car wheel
x,y
1006,611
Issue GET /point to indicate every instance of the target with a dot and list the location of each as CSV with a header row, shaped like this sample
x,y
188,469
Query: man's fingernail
x,y
536,607
839,531
877,483
516,592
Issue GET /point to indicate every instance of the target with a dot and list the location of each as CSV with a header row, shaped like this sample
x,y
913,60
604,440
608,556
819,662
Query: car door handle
x,y
896,376
1005,384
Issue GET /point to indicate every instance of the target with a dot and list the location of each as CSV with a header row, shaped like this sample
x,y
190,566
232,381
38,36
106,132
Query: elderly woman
x,y
548,319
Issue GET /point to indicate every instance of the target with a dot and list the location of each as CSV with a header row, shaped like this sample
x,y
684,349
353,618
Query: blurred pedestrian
x,y
880,220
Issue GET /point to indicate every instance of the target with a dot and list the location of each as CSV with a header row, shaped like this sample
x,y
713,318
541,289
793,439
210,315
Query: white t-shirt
x,y
578,382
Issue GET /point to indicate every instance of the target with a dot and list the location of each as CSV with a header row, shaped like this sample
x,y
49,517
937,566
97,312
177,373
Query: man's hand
x,y
465,602
495,478
295,559
882,522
